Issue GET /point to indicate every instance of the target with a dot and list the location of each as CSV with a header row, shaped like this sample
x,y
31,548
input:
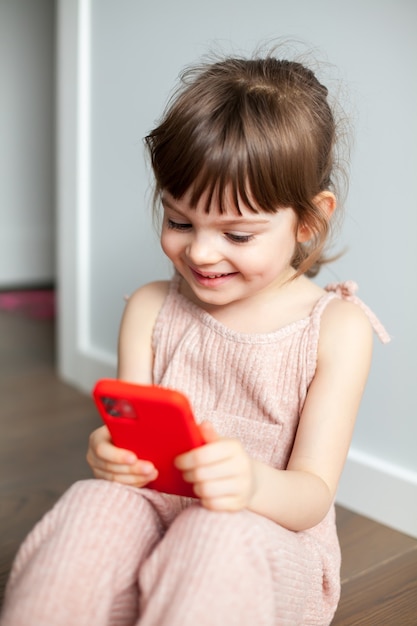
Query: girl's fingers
x,y
216,452
224,495
222,474
225,487
126,479
99,463
102,448
223,502
225,469
205,453
139,468
108,461
208,432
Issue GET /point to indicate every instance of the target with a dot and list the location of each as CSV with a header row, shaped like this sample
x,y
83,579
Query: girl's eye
x,y
177,225
239,238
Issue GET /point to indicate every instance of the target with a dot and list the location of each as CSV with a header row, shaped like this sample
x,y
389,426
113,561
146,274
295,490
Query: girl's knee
x,y
96,490
97,501
91,487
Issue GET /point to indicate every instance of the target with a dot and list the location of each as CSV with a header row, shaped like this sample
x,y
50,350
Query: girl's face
x,y
228,257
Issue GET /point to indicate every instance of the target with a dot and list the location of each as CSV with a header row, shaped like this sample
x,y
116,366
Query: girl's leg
x,y
213,569
79,565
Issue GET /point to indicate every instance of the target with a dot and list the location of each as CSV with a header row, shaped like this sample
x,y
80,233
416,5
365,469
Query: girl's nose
x,y
202,250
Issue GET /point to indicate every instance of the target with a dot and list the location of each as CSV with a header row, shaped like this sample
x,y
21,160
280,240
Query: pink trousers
x,y
109,555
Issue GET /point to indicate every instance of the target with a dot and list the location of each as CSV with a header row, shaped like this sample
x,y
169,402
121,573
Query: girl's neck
x,y
264,311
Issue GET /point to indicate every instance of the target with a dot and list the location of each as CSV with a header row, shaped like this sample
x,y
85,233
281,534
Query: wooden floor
x,y
44,426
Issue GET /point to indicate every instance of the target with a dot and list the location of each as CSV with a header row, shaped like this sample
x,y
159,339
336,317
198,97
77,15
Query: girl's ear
x,y
325,201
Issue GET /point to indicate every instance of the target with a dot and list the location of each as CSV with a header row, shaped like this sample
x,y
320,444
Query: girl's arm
x,y
305,491
135,360
300,496
135,354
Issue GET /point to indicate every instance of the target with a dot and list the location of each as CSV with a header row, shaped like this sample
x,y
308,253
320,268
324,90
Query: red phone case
x,y
156,423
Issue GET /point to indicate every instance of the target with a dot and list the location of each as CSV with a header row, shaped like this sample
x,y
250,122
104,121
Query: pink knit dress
x,y
114,555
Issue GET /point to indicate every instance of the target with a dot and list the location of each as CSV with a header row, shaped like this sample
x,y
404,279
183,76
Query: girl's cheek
x,y
166,243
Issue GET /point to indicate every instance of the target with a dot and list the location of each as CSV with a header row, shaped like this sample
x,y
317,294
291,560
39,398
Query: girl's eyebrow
x,y
226,222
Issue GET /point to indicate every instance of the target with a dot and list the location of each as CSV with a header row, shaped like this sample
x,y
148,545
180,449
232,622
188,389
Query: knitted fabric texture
x,y
113,555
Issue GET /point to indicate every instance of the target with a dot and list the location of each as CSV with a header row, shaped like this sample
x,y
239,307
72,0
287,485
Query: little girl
x,y
274,367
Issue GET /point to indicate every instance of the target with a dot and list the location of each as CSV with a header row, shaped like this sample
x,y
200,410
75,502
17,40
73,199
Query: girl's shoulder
x,y
149,297
135,355
341,317
332,309
144,304
346,331
347,313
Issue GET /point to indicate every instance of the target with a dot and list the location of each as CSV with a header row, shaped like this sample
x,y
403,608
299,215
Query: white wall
x,y
119,61
27,126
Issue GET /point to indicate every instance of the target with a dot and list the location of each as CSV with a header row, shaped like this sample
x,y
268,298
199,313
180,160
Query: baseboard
x,y
382,491
83,370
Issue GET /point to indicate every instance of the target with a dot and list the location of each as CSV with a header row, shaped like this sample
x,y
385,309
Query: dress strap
x,y
346,291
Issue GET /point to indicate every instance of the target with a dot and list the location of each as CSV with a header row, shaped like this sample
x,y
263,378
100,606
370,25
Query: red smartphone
x,y
156,423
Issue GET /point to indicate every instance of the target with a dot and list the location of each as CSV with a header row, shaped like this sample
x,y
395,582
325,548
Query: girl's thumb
x,y
208,432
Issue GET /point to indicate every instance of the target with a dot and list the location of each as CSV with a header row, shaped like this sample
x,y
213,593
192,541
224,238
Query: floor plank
x,y
383,596
379,574
366,544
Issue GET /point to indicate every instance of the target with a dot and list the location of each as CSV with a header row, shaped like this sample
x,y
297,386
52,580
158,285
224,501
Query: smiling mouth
x,y
213,276
218,275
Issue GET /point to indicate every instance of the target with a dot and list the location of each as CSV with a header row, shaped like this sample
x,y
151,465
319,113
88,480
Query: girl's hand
x,y
115,464
222,473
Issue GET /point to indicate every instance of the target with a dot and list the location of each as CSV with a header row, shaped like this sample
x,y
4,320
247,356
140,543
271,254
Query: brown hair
x,y
261,128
